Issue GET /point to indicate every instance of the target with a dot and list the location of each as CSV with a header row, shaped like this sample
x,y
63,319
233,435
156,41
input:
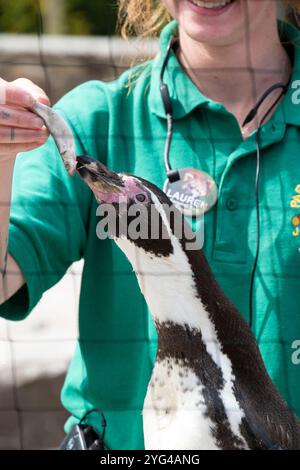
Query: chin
x,y
225,28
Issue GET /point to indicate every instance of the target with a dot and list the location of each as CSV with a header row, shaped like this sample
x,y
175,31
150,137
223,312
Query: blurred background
x,y
57,44
61,43
83,17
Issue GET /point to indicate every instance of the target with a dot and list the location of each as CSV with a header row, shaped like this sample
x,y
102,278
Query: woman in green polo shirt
x,y
228,55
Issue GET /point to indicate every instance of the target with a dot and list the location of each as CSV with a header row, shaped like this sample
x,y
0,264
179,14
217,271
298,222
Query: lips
x,y
208,4
207,8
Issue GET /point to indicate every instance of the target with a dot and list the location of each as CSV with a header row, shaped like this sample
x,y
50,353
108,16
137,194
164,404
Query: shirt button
x,y
231,204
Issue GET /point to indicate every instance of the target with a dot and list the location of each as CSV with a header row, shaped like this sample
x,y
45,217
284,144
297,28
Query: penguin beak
x,y
106,185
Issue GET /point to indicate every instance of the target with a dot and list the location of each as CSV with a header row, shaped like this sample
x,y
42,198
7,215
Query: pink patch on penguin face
x,y
133,190
129,192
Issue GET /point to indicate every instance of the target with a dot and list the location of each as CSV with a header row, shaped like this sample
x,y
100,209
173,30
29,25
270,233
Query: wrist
x,y
7,160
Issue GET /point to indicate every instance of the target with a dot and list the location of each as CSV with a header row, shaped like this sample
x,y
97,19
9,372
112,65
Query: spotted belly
x,y
174,413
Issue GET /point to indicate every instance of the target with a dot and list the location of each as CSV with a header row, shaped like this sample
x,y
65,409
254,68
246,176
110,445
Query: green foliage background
x,y
96,17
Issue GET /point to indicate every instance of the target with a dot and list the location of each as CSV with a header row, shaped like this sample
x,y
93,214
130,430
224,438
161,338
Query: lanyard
x,y
195,191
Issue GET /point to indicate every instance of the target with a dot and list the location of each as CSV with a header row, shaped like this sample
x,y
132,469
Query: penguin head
x,y
137,213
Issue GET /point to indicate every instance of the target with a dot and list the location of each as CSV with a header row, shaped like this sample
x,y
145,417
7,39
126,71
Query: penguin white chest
x,y
174,413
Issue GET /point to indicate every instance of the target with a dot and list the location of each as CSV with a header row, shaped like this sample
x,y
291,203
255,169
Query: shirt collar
x,y
186,96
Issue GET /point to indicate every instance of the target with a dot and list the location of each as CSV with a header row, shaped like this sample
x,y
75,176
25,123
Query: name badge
x,y
194,193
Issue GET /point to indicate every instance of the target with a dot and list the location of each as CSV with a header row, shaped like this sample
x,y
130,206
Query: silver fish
x,y
61,133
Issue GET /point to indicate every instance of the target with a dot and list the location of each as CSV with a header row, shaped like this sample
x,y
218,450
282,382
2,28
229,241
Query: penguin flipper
x,y
269,424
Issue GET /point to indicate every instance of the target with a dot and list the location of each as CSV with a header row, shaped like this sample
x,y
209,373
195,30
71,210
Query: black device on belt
x,y
83,436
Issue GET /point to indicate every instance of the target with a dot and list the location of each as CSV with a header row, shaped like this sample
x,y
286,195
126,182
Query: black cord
x,y
103,420
257,138
103,423
173,175
253,112
257,227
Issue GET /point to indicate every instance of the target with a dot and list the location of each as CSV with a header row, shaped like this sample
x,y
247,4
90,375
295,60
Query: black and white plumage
x,y
209,388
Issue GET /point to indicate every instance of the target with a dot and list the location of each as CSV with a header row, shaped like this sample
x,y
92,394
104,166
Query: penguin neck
x,y
180,290
170,288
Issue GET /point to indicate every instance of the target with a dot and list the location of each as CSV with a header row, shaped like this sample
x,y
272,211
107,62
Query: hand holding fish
x,y
20,129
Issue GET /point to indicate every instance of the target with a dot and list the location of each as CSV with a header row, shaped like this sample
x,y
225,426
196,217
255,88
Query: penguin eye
x,y
140,197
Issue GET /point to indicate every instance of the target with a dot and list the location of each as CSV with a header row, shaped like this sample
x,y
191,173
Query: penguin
x,y
209,388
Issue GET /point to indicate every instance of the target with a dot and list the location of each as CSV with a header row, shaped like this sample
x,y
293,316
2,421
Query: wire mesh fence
x,y
35,354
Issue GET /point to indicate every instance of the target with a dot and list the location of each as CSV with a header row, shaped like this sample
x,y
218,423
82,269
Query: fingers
x,y
14,135
34,90
20,129
19,118
21,92
10,94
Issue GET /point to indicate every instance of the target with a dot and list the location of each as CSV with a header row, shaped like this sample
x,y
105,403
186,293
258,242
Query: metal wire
x,y
17,404
40,32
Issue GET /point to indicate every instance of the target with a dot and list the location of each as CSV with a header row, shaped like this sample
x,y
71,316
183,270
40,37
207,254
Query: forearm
x,y
6,172
11,278
20,130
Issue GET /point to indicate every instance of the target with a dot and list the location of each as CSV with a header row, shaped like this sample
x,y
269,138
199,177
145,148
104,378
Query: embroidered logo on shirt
x,y
296,224
295,204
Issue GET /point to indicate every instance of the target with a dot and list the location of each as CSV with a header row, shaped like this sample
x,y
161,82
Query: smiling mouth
x,y
208,5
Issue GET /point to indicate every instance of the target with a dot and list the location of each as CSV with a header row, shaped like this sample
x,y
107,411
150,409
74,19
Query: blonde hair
x,y
146,18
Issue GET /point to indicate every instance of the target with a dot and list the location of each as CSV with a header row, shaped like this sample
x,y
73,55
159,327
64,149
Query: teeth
x,y
221,3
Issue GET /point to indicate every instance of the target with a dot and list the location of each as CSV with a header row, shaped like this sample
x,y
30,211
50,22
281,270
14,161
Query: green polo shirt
x,y
53,223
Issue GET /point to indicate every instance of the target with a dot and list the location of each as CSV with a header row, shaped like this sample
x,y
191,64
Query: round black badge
x,y
194,193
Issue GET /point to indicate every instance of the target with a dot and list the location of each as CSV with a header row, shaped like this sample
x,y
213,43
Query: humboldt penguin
x,y
209,387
